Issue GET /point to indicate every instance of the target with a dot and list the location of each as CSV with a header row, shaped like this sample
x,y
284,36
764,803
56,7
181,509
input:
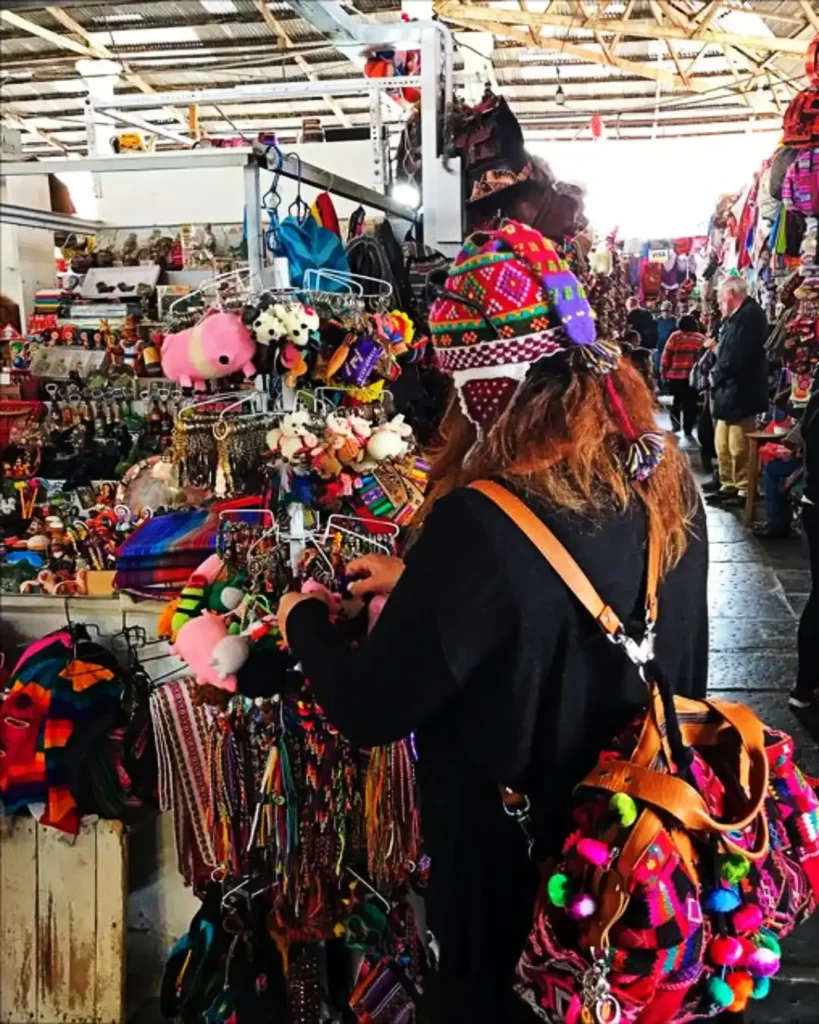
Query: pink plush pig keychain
x,y
213,654
216,347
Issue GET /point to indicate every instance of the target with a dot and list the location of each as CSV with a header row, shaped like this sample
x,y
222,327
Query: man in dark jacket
x,y
739,386
642,321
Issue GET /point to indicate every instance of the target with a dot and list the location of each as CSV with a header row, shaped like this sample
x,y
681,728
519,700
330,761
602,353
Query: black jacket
x,y
809,426
643,322
504,677
740,376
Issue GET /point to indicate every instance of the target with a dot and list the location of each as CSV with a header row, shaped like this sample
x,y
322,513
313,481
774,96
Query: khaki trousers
x,y
730,441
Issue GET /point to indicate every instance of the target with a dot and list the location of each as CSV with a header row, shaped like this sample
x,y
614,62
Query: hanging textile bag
x,y
694,848
800,189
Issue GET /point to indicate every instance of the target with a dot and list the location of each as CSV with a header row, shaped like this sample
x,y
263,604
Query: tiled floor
x,y
756,592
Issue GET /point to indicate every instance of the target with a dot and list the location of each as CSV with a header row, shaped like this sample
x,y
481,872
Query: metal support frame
x,y
377,142
28,217
263,91
441,178
255,242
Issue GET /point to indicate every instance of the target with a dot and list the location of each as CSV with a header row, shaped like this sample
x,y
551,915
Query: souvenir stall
x,y
768,234
236,439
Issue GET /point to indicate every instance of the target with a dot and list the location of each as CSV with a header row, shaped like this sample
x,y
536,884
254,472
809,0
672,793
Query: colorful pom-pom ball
x,y
593,851
725,951
574,1010
762,986
769,942
742,985
722,901
734,868
719,993
582,906
625,808
558,889
747,919
748,947
763,962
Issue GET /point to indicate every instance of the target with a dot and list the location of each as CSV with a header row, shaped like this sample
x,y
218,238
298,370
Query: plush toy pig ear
x,y
210,568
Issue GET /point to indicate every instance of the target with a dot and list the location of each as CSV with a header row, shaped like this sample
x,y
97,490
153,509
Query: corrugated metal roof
x,y
190,44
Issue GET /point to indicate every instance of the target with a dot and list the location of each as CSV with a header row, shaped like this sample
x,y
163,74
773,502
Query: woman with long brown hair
x,y
481,650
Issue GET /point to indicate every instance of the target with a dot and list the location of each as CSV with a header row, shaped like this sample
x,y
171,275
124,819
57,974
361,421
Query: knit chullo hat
x,y
510,301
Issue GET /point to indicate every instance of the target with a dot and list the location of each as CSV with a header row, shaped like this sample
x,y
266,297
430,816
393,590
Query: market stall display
x,y
274,446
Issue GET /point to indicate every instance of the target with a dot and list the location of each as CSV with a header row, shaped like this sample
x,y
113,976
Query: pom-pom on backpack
x,y
694,848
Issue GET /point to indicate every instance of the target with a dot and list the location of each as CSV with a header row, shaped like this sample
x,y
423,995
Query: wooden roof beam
x,y
451,9
279,32
61,42
87,49
810,13
658,8
631,67
13,120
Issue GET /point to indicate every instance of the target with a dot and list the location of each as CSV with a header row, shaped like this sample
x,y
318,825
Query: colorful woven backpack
x,y
695,849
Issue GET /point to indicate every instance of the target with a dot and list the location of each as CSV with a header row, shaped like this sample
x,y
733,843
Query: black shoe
x,y
770,531
711,486
801,699
725,496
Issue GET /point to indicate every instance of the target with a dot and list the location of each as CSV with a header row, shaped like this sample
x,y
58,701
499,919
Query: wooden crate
x,y
62,923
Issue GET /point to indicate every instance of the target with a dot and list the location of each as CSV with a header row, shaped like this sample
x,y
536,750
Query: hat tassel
x,y
645,451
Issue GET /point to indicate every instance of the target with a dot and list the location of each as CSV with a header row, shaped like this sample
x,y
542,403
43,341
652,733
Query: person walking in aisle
x,y
642,321
701,382
739,386
666,325
680,355
480,650
805,692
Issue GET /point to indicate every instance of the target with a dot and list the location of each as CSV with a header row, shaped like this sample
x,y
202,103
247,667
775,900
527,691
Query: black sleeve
x,y
447,615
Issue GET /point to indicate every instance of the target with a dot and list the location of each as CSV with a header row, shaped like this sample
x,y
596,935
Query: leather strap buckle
x,y
640,653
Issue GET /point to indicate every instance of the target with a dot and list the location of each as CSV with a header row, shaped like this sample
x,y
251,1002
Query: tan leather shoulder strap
x,y
563,563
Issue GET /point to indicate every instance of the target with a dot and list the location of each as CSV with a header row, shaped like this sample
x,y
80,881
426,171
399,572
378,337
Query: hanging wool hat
x,y
510,301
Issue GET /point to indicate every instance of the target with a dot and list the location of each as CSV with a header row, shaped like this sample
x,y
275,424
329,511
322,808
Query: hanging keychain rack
x,y
334,524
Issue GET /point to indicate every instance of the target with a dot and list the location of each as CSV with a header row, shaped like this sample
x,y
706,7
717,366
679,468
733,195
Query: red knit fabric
x,y
680,355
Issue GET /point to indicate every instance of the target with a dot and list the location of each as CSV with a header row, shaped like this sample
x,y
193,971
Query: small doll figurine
x,y
106,494
97,340
86,341
53,338
68,335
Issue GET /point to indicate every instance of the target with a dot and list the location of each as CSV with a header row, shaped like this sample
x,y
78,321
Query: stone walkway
x,y
756,592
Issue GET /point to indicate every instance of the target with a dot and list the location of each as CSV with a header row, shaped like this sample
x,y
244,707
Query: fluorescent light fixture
x,y
114,18
219,6
144,36
405,193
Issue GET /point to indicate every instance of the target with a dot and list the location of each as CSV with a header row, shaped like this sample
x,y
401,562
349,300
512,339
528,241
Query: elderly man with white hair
x,y
739,386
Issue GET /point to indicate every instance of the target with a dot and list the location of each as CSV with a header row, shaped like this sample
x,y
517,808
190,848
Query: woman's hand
x,y
380,574
289,602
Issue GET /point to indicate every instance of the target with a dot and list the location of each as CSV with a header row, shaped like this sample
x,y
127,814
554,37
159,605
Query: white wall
x,y
26,254
146,198
658,188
